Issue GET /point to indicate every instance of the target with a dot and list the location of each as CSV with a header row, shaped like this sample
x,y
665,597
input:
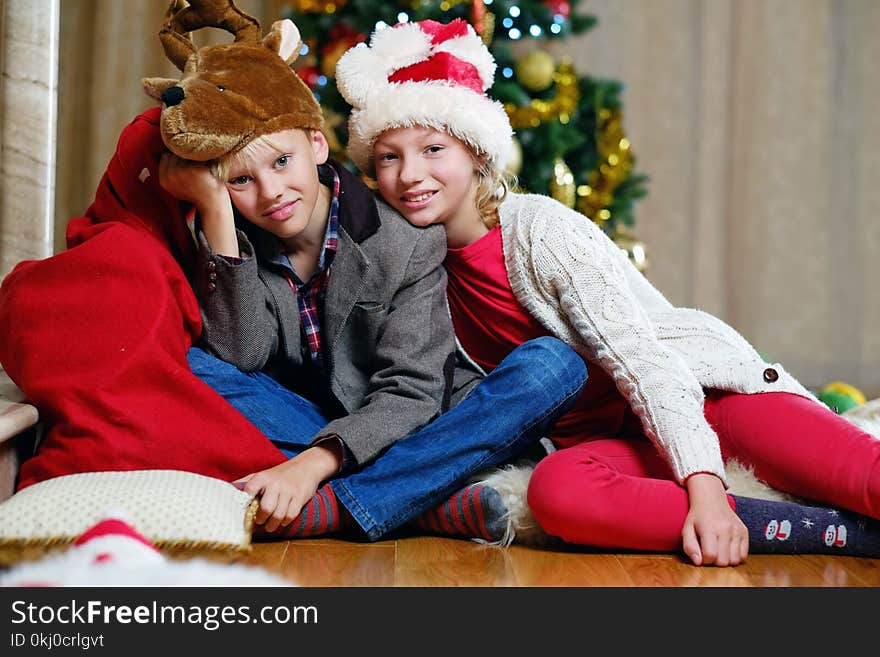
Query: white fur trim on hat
x,y
397,47
362,78
471,49
362,69
477,120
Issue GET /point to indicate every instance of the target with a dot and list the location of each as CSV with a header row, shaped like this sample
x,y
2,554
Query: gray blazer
x,y
387,335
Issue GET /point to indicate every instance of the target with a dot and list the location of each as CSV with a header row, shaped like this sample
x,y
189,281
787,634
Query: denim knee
x,y
207,367
554,359
197,357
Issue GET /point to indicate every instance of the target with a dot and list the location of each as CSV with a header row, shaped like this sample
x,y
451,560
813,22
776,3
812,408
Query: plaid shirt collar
x,y
310,294
331,235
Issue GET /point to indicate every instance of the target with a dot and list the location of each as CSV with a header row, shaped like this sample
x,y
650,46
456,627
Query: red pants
x,y
619,492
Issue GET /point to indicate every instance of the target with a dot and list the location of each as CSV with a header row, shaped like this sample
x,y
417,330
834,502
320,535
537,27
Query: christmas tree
x,y
569,126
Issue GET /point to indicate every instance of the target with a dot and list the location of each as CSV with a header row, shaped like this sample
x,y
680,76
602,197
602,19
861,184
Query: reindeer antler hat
x,y
229,93
425,73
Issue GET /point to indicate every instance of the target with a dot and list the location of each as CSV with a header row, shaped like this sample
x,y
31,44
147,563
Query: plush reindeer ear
x,y
185,16
284,39
155,86
175,42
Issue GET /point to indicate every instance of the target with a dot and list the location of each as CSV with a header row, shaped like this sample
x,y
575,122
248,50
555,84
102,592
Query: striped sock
x,y
476,511
321,515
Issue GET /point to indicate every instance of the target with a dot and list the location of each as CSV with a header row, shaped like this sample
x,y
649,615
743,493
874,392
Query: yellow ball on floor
x,y
840,396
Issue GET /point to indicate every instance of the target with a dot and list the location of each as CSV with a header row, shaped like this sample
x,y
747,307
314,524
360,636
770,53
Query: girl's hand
x,y
287,487
712,532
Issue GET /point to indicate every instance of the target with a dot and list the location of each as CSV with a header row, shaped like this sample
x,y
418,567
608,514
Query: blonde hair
x,y
248,153
493,184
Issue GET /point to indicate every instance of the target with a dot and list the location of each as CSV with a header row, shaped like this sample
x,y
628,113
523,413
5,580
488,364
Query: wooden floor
x,y
430,561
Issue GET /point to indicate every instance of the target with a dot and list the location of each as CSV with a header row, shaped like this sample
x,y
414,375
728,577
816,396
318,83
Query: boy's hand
x,y
193,182
712,532
190,181
287,487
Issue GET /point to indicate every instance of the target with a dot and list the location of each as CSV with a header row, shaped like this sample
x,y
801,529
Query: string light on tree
x,y
560,8
317,6
562,183
634,249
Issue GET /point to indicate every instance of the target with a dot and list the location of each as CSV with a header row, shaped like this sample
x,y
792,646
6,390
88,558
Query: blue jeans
x,y
510,410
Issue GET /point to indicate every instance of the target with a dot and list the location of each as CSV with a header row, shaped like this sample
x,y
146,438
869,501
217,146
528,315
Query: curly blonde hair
x,y
493,184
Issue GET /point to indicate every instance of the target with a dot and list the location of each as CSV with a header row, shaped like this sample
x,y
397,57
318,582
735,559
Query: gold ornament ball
x,y
514,163
536,70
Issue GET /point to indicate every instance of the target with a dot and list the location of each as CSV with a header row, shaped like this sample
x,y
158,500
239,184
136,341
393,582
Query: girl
x,y
672,392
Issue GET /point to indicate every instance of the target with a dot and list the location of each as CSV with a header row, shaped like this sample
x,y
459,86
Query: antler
x,y
183,17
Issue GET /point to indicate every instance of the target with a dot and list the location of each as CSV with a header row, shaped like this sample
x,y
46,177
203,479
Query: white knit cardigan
x,y
582,287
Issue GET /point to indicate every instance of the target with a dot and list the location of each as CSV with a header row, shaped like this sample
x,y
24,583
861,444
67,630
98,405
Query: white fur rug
x,y
512,481
866,416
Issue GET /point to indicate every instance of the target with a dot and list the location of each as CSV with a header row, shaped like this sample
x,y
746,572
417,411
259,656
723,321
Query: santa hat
x,y
428,74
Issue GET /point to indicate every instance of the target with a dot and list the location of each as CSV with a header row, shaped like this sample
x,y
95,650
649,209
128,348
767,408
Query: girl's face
x,y
274,184
427,176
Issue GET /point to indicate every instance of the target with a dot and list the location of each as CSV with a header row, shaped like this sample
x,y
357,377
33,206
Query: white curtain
x,y
756,121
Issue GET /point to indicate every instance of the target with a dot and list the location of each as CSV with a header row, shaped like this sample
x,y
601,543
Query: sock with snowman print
x,y
777,527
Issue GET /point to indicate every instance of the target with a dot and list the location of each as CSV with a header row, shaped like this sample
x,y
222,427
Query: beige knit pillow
x,y
182,513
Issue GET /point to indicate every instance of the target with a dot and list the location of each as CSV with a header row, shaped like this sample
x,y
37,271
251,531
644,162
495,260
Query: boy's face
x,y
276,185
426,175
